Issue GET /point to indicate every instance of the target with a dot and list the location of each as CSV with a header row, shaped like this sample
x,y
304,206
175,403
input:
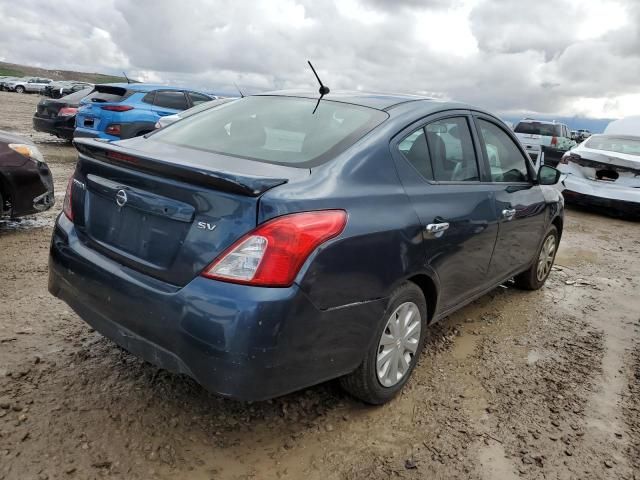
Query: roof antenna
x,y
125,76
323,90
239,91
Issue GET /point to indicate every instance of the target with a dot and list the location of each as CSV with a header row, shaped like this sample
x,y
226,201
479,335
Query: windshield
x,y
274,129
609,143
537,128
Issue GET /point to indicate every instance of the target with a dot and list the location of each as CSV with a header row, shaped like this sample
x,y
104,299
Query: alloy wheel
x,y
545,259
398,344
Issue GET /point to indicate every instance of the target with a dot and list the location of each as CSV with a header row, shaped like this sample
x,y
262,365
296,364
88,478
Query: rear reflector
x,y
113,129
273,253
117,108
67,206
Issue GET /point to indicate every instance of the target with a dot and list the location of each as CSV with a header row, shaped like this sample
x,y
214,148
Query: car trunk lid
x,y
621,169
155,212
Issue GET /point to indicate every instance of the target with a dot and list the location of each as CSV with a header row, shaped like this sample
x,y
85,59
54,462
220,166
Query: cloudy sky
x,y
557,57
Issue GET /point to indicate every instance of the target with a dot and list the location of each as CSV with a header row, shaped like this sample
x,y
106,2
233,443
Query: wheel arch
x,y
558,222
429,287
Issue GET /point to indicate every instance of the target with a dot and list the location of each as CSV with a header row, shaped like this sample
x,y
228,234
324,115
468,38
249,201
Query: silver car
x,y
28,84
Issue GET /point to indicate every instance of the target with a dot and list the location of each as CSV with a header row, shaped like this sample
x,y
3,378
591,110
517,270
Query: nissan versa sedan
x,y
281,240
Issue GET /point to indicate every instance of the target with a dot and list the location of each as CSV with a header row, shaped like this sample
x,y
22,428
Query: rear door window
x,y
172,99
507,162
414,149
197,98
453,158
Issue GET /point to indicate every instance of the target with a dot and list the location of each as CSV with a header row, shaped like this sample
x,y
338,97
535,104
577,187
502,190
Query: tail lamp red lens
x,y
67,111
113,129
67,204
273,253
117,108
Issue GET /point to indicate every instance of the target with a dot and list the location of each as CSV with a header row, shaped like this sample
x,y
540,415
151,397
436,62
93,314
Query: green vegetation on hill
x,y
10,72
14,70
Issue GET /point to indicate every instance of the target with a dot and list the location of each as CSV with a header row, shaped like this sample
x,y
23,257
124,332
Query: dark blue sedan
x,y
261,247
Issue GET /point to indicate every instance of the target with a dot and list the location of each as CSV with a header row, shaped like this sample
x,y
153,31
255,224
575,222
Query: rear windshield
x,y
537,128
273,129
75,97
103,94
608,143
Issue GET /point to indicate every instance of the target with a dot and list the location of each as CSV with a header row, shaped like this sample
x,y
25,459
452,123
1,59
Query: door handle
x,y
508,213
436,229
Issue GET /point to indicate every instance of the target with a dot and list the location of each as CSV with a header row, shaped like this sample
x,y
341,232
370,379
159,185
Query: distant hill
x,y
14,70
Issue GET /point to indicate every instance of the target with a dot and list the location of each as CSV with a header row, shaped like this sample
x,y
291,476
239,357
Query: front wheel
x,y
389,362
20,89
537,275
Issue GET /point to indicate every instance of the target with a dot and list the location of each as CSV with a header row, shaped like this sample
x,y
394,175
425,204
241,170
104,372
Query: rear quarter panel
x,y
382,241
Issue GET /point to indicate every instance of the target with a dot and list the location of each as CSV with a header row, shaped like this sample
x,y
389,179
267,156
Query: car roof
x,y
380,101
148,87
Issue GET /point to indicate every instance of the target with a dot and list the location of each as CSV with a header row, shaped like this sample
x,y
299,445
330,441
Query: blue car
x,y
118,111
264,245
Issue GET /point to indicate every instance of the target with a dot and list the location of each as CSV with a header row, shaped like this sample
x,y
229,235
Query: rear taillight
x,y
67,112
554,141
273,253
66,206
117,108
113,129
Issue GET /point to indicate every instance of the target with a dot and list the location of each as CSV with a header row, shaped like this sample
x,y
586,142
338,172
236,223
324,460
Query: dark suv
x,y
279,240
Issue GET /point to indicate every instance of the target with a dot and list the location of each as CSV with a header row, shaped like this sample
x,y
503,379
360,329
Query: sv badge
x,y
207,226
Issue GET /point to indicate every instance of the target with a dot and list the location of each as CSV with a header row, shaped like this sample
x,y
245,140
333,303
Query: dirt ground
x,y
517,385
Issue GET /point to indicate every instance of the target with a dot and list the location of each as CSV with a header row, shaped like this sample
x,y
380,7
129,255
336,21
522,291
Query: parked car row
x,y
246,228
114,111
44,86
24,84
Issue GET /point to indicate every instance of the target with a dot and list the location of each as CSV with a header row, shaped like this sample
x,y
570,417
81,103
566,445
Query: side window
x,y
173,99
197,98
414,149
505,159
149,97
453,157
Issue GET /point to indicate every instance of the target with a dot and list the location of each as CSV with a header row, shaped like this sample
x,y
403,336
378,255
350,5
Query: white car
x,y
550,138
604,171
28,84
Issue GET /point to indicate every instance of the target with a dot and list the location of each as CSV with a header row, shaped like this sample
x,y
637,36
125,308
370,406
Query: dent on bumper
x,y
601,189
243,342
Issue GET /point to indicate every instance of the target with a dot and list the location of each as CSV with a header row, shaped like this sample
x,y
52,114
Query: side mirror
x,y
548,175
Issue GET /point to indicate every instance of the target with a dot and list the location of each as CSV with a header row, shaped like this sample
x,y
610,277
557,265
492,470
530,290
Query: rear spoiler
x,y
247,185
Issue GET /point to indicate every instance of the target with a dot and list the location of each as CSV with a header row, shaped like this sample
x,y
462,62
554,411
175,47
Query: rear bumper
x,y
616,199
81,132
243,342
31,189
60,127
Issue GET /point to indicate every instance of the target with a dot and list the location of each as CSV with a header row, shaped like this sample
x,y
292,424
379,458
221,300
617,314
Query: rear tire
x,y
396,339
536,276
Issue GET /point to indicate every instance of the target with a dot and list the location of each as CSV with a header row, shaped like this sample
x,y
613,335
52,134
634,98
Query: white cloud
x,y
558,57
